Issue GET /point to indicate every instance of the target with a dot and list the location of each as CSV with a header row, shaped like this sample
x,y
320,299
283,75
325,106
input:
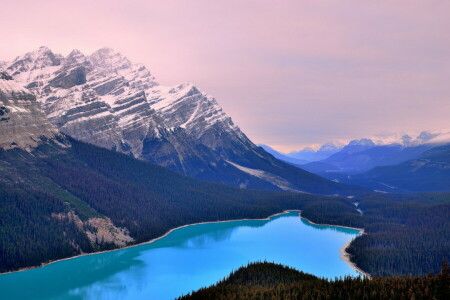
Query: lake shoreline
x,y
344,255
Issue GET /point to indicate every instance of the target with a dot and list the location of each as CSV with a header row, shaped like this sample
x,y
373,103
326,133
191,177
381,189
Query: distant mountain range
x,y
309,154
362,155
430,171
380,167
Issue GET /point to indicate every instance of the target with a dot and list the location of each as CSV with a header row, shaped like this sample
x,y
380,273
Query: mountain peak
x,y
43,48
74,57
42,51
425,136
330,147
361,142
37,59
107,58
75,52
105,53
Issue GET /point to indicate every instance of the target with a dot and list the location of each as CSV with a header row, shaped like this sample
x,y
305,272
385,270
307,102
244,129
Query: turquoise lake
x,y
187,259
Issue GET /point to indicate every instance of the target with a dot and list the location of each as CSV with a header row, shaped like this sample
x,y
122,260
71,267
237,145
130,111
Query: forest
x,y
269,281
405,234
147,199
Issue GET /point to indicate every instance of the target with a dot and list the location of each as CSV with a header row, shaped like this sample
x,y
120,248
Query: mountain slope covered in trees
x,y
56,192
429,172
54,198
272,281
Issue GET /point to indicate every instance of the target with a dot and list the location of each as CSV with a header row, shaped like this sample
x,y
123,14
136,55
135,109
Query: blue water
x,y
185,260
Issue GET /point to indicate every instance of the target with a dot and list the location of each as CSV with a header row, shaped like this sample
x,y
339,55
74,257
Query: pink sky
x,y
290,73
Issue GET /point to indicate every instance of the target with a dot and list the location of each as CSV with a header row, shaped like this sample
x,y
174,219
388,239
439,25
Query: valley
x,y
96,156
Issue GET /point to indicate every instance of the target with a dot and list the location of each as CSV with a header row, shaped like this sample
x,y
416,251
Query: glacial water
x,y
187,259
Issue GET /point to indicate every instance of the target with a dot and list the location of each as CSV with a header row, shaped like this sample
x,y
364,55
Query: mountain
x,y
106,100
283,157
343,161
311,155
353,147
429,172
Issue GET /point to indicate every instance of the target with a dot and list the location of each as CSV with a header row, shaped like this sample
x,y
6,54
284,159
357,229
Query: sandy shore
x,y
344,255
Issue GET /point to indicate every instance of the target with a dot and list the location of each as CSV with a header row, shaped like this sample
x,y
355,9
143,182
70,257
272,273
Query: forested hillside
x,y
53,199
405,234
428,172
265,281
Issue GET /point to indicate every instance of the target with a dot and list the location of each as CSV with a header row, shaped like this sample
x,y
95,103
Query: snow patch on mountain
x,y
276,180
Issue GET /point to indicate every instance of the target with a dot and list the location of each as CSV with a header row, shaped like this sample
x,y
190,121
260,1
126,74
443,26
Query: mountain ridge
x,y
107,100
430,171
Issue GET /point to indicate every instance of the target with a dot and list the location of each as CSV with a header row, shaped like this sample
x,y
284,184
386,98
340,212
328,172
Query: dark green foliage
x,y
333,213
149,200
266,281
29,235
145,198
403,237
406,234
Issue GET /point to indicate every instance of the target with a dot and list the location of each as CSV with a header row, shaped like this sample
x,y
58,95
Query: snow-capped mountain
x,y
362,155
310,154
355,146
22,122
317,153
107,100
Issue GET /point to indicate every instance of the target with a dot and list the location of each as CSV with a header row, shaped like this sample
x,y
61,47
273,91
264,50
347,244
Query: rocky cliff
x,y
22,123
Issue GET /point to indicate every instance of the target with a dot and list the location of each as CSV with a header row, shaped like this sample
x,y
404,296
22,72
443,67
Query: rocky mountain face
x,y
107,100
22,123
